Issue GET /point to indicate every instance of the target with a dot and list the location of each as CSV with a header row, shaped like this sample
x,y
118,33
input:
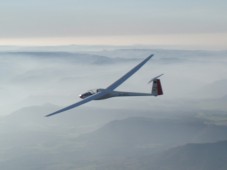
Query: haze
x,y
52,51
141,131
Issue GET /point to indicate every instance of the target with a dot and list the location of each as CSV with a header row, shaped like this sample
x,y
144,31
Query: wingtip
x,y
51,114
151,55
48,115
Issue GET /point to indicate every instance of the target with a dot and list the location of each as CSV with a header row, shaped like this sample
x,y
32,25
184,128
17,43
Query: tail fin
x,y
156,87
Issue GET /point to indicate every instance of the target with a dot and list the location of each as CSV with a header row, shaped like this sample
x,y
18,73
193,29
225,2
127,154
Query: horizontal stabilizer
x,y
155,78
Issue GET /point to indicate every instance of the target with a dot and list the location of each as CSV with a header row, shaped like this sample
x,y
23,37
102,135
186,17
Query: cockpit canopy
x,y
89,93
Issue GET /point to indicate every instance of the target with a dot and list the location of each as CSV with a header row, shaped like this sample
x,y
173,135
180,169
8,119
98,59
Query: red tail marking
x,y
159,87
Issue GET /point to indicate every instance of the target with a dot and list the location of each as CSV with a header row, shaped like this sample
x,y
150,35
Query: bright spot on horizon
x,y
215,42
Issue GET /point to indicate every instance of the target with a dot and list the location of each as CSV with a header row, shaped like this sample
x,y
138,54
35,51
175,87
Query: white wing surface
x,y
88,99
127,75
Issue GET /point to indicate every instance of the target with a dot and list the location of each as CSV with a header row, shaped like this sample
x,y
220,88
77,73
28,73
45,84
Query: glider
x,y
99,94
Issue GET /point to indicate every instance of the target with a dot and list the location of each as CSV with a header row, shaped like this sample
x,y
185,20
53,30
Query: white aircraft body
x,y
99,94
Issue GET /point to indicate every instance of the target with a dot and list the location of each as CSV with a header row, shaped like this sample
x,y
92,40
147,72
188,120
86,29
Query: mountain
x,y
32,141
142,134
203,156
141,143
60,56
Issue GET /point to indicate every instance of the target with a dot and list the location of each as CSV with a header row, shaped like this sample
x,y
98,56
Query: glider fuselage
x,y
109,94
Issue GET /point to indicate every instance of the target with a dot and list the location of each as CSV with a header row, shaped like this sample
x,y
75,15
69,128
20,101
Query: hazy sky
x,y
157,22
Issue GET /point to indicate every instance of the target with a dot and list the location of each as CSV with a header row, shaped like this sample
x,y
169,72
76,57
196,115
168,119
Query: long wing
x,y
127,75
88,99
102,93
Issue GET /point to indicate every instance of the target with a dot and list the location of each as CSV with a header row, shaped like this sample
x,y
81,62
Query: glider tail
x,y
156,86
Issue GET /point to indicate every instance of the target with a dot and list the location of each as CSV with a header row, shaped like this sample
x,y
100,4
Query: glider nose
x,y
81,96
85,95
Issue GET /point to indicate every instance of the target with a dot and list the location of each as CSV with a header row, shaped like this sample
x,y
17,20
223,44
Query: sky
x,y
195,23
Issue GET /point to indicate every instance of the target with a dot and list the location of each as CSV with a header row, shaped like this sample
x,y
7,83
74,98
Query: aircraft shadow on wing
x,y
99,94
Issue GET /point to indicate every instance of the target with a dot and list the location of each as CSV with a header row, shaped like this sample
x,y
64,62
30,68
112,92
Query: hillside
x,y
203,156
120,144
142,134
